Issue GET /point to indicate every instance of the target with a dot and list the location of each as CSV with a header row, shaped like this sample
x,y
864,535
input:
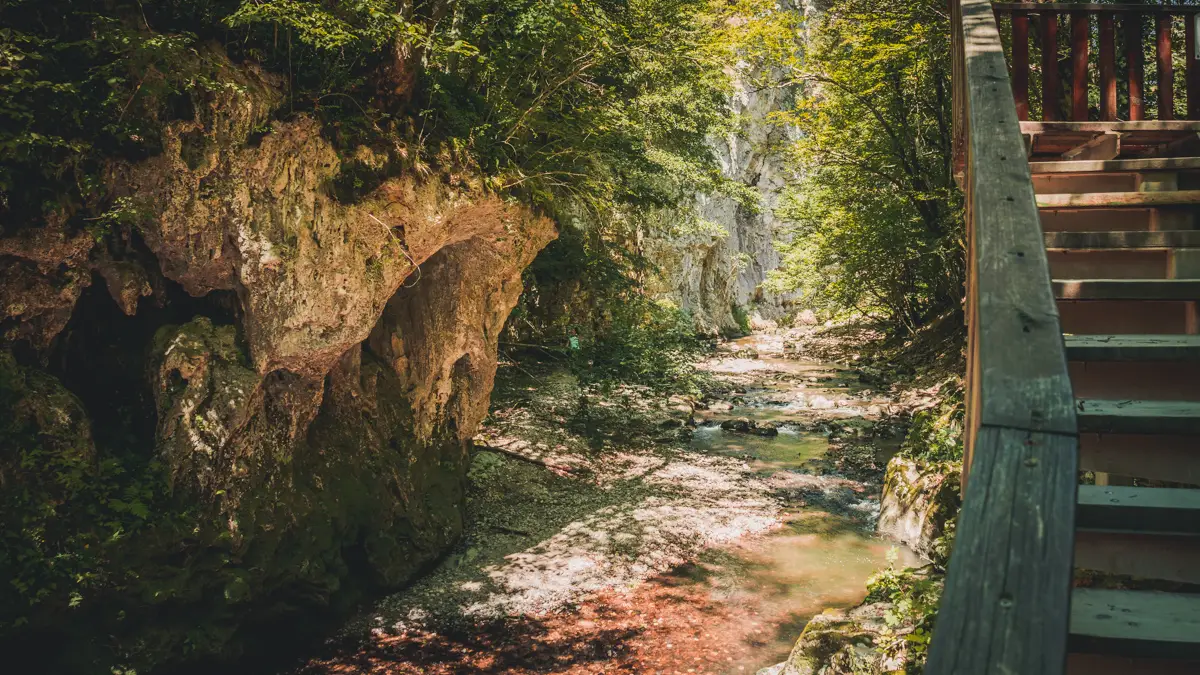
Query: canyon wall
x,y
244,398
716,271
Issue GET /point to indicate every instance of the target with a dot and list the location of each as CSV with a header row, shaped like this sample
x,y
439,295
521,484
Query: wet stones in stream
x,y
745,425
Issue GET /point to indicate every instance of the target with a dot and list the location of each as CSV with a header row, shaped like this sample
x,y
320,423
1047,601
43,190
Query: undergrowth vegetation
x,y
935,441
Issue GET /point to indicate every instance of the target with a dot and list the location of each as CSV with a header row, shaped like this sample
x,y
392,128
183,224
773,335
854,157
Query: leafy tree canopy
x,y
877,217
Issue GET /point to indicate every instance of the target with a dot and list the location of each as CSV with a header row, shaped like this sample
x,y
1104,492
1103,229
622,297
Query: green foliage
x,y
63,510
77,86
936,434
742,317
876,222
644,342
914,596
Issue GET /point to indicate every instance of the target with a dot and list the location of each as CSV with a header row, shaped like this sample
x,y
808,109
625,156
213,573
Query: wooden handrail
x,y
1005,606
1095,7
1103,19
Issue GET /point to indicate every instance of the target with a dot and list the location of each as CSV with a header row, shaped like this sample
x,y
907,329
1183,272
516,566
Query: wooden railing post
x,y
1166,68
1135,66
1051,87
1108,68
1132,49
1020,62
1080,43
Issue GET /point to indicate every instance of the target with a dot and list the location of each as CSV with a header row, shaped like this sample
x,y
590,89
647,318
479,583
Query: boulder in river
x,y
841,641
745,425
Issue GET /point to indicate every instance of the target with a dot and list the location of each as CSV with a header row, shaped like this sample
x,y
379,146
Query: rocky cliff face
x,y
717,272
301,375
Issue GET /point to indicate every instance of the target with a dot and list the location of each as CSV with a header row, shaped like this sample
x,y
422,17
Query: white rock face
x,y
724,264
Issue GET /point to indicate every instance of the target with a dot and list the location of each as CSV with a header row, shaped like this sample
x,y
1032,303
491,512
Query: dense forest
x,y
260,258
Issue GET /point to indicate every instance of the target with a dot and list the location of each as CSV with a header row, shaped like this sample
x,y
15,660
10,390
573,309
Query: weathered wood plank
x,y
1117,199
1135,623
1004,608
1101,148
1158,457
1117,165
1022,375
1127,289
1100,664
1145,556
1139,509
1092,241
1172,348
1179,418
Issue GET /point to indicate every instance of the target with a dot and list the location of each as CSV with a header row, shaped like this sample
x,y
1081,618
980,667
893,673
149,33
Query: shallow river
x,y
727,601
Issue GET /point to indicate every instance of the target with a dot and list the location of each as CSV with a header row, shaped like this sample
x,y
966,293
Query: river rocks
x,y
745,425
918,499
841,642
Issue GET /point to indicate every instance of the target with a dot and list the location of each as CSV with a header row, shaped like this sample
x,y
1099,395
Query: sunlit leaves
x,y
876,217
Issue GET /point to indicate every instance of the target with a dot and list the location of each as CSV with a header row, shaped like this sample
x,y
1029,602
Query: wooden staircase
x,y
1078,546
1123,247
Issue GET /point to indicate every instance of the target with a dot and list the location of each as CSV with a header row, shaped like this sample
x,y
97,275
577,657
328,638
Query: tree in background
x,y
876,225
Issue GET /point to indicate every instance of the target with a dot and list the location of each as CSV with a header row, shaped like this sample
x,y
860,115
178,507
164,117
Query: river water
x,y
617,557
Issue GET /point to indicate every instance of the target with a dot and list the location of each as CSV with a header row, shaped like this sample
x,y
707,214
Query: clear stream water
x,y
821,558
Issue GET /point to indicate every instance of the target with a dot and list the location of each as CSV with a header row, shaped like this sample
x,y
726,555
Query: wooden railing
x,y
1005,606
1101,24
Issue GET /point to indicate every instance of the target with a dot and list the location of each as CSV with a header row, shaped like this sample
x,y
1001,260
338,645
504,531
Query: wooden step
x,y
1138,417
1176,348
1141,317
1144,381
1142,556
1138,510
1146,624
1092,200
1116,165
1165,457
1142,218
1127,289
1123,240
1112,263
1100,664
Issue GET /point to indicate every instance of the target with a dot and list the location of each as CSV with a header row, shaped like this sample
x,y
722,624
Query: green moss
x,y
742,318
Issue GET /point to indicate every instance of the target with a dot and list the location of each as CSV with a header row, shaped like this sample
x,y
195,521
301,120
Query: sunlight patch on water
x,y
790,449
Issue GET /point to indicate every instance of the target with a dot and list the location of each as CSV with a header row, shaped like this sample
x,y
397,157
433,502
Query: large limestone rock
x,y
43,271
721,264
918,500
313,422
